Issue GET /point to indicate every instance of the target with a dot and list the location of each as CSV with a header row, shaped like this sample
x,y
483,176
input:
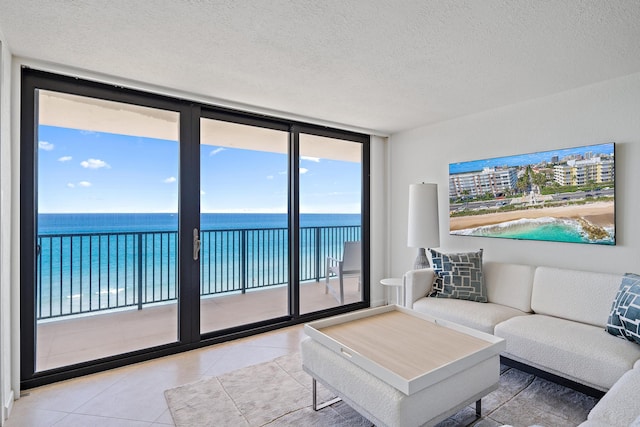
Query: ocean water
x,y
127,222
548,229
90,262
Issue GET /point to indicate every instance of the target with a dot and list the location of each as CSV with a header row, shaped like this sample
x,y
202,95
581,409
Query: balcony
x,y
104,294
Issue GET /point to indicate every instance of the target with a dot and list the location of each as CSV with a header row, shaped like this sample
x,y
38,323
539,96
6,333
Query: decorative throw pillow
x,y
625,311
458,275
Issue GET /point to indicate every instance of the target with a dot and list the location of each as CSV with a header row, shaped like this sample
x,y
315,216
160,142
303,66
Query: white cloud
x,y
202,193
94,164
46,146
84,184
71,185
170,180
282,173
303,171
269,176
216,151
65,158
311,159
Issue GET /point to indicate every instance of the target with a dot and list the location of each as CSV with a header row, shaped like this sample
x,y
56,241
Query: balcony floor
x,y
67,341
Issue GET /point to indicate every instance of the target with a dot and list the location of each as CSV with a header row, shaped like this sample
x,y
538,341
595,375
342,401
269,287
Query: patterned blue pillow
x,y
459,276
625,311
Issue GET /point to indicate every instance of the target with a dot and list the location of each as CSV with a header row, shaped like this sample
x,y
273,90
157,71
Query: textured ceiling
x,y
379,65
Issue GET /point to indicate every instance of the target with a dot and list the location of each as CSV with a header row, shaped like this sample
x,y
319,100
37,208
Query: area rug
x,y
278,393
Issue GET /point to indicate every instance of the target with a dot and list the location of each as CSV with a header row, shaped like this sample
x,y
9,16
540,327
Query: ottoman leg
x,y
317,407
479,408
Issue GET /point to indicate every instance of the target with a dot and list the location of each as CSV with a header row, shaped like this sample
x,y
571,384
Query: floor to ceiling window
x,y
244,257
152,225
106,225
330,219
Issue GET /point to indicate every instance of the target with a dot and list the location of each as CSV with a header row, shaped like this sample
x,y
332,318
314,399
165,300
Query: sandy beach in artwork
x,y
597,213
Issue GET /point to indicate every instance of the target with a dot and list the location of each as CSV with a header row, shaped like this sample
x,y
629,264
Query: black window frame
x,y
189,308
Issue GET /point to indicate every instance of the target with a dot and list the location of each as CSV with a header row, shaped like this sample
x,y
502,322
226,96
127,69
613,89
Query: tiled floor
x,y
67,341
133,396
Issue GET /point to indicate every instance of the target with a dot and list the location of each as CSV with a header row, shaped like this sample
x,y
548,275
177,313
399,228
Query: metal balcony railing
x,y
90,272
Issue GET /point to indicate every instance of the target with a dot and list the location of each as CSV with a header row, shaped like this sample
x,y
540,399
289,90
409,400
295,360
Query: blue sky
x,y
528,159
80,171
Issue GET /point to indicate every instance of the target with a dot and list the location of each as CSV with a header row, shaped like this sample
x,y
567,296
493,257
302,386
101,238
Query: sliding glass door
x,y
330,222
244,255
152,225
107,226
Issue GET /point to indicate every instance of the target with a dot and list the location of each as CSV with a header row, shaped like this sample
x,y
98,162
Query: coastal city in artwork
x,y
564,195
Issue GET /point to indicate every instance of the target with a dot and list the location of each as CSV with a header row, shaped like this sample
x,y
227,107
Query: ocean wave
x,y
508,225
527,228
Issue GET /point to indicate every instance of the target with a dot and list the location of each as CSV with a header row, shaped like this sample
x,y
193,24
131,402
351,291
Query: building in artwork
x,y
581,172
489,180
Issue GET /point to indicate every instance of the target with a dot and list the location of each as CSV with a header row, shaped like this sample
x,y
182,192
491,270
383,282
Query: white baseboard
x,y
6,408
378,303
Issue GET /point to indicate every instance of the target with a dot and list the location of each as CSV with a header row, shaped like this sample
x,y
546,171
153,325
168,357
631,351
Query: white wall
x,y
604,112
6,394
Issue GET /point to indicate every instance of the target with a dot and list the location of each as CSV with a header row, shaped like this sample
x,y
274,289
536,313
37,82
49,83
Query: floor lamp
x,y
424,231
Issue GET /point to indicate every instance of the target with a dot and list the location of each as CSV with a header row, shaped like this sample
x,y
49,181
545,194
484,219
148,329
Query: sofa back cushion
x,y
509,284
576,295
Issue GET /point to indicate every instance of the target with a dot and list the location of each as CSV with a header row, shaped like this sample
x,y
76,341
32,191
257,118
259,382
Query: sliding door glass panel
x,y
330,222
107,221
244,251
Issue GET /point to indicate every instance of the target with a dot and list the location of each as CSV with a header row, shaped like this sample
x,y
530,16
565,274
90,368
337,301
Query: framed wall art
x,y
564,195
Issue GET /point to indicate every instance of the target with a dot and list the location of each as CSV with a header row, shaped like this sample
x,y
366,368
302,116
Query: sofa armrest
x,y
417,284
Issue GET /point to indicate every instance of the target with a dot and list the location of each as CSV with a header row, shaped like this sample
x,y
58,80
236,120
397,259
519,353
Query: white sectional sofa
x,y
620,406
553,320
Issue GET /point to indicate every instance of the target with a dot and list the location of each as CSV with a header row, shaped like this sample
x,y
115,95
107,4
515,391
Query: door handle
x,y
196,244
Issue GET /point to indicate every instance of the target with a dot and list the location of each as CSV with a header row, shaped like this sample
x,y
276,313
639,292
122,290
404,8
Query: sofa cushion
x,y
619,407
459,276
624,318
583,353
575,295
509,284
483,317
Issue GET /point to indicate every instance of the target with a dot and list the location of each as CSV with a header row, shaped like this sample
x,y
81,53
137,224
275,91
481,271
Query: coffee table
x,y
401,368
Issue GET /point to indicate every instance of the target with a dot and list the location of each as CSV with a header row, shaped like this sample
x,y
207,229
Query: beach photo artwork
x,y
564,195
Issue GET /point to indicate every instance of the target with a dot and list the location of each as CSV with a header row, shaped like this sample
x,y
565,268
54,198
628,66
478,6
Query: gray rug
x,y
278,393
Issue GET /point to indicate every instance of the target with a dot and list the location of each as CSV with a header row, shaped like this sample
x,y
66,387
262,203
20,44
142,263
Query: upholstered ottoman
x,y
401,368
385,405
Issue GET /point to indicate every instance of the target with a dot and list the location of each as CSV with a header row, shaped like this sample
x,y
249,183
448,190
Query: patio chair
x,y
350,265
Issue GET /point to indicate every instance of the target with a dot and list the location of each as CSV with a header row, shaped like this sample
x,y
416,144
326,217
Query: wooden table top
x,y
404,344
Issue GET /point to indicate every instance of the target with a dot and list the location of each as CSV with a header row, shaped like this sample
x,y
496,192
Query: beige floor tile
x,y
22,417
134,395
78,420
138,396
165,419
247,356
69,395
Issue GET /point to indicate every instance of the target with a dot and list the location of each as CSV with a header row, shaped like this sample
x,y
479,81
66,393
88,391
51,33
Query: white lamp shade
x,y
424,230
